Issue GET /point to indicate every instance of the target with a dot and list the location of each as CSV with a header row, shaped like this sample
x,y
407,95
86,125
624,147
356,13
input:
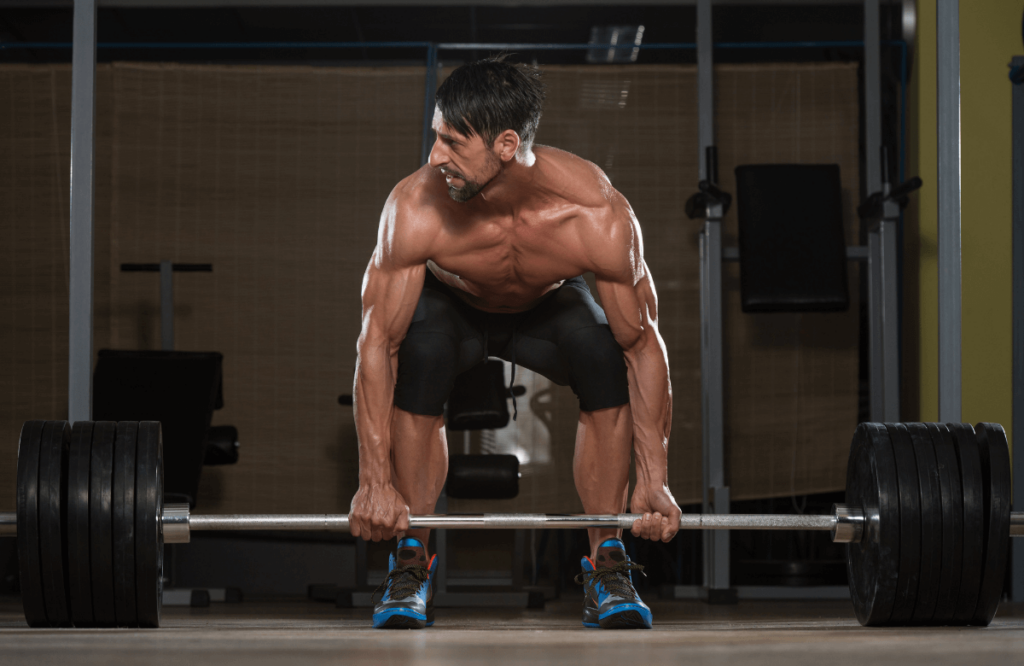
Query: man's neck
x,y
511,187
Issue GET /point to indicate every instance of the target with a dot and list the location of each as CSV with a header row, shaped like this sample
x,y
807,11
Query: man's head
x,y
487,115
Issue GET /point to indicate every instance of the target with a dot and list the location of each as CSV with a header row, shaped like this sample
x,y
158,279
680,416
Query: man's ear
x,y
506,144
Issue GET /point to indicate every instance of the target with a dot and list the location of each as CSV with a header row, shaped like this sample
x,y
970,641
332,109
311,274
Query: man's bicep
x,y
390,295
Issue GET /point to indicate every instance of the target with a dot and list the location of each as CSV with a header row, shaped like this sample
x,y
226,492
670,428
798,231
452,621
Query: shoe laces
x,y
403,582
615,579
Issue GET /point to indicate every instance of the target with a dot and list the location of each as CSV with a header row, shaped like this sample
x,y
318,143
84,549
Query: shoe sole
x,y
400,620
628,619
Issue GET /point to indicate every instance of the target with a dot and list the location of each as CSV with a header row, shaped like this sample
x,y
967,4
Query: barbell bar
x,y
845,524
177,522
926,521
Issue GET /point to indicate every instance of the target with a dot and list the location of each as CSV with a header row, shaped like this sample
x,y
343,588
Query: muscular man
x,y
480,253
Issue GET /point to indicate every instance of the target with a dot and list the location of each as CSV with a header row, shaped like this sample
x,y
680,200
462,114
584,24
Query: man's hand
x,y
378,512
661,513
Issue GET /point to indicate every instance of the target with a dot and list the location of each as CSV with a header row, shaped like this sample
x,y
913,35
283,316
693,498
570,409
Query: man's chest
x,y
518,256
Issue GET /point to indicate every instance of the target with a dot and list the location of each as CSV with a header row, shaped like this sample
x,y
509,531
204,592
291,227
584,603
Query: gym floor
x,y
256,633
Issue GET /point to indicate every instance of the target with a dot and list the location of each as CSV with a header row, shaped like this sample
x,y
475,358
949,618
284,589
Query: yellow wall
x,y
990,34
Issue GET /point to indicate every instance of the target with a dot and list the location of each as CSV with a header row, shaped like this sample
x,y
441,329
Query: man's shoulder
x,y
411,218
579,180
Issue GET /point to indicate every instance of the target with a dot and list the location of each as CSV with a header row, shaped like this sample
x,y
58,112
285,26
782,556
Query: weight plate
x,y
149,543
873,564
79,571
124,523
100,525
952,523
910,524
995,468
53,474
974,521
931,522
30,575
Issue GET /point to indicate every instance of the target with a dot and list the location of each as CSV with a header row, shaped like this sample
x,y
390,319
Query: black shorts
x,y
565,338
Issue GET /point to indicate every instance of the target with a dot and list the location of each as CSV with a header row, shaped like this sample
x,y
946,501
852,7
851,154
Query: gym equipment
x,y
917,495
483,477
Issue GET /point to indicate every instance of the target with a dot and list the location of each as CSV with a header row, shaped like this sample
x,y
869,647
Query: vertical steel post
x,y
166,306
83,106
715,492
948,83
883,299
876,362
872,98
1017,559
430,88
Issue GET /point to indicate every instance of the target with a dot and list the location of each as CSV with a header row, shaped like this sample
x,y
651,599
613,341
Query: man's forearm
x,y
373,399
650,397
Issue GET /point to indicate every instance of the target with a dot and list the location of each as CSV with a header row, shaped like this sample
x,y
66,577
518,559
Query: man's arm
x,y
391,288
631,304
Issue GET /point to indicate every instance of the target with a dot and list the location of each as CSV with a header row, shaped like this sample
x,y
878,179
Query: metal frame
x,y
1017,557
883,292
948,83
716,493
83,108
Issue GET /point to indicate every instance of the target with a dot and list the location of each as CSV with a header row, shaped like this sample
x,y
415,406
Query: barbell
x,y
927,521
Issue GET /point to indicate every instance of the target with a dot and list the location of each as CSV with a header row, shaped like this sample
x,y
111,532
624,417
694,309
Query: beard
x,y
471,187
467,191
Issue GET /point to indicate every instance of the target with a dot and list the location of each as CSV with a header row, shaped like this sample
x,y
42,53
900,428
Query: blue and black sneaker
x,y
610,601
408,601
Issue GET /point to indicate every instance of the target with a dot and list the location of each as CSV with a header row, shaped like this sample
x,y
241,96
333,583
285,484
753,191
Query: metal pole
x,y
1017,443
715,492
948,83
430,89
166,306
83,105
872,98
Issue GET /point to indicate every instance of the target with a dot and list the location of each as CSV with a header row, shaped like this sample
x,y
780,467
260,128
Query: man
x,y
480,253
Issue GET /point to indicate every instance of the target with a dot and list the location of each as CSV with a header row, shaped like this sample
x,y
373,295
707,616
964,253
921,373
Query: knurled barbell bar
x,y
927,519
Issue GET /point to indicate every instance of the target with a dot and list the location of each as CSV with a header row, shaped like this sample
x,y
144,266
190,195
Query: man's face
x,y
467,162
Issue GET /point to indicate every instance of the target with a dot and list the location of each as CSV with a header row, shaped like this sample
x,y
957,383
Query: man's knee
x,y
426,372
597,368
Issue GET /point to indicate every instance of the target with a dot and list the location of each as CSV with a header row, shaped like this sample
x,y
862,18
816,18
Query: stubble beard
x,y
472,187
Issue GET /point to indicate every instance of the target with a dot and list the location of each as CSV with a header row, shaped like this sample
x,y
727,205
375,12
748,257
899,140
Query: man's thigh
x,y
443,341
567,339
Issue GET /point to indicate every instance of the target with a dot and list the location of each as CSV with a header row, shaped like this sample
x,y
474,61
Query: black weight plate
x,y
53,474
124,523
101,527
974,521
79,571
931,522
30,575
995,467
952,523
149,543
910,524
873,564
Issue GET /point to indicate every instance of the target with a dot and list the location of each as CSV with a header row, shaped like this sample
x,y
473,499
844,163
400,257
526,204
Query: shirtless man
x,y
480,253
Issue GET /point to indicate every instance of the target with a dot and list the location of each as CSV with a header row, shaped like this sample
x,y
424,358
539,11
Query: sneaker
x,y
408,599
610,601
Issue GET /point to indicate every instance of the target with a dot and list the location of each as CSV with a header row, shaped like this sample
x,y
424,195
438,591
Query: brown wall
x,y
276,176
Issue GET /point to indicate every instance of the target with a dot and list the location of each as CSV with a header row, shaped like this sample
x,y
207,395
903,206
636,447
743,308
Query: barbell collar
x,y
848,524
8,524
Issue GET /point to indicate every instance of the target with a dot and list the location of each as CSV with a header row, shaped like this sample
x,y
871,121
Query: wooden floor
x,y
688,633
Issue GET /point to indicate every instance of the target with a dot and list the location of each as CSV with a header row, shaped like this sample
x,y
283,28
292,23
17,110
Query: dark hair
x,y
490,96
